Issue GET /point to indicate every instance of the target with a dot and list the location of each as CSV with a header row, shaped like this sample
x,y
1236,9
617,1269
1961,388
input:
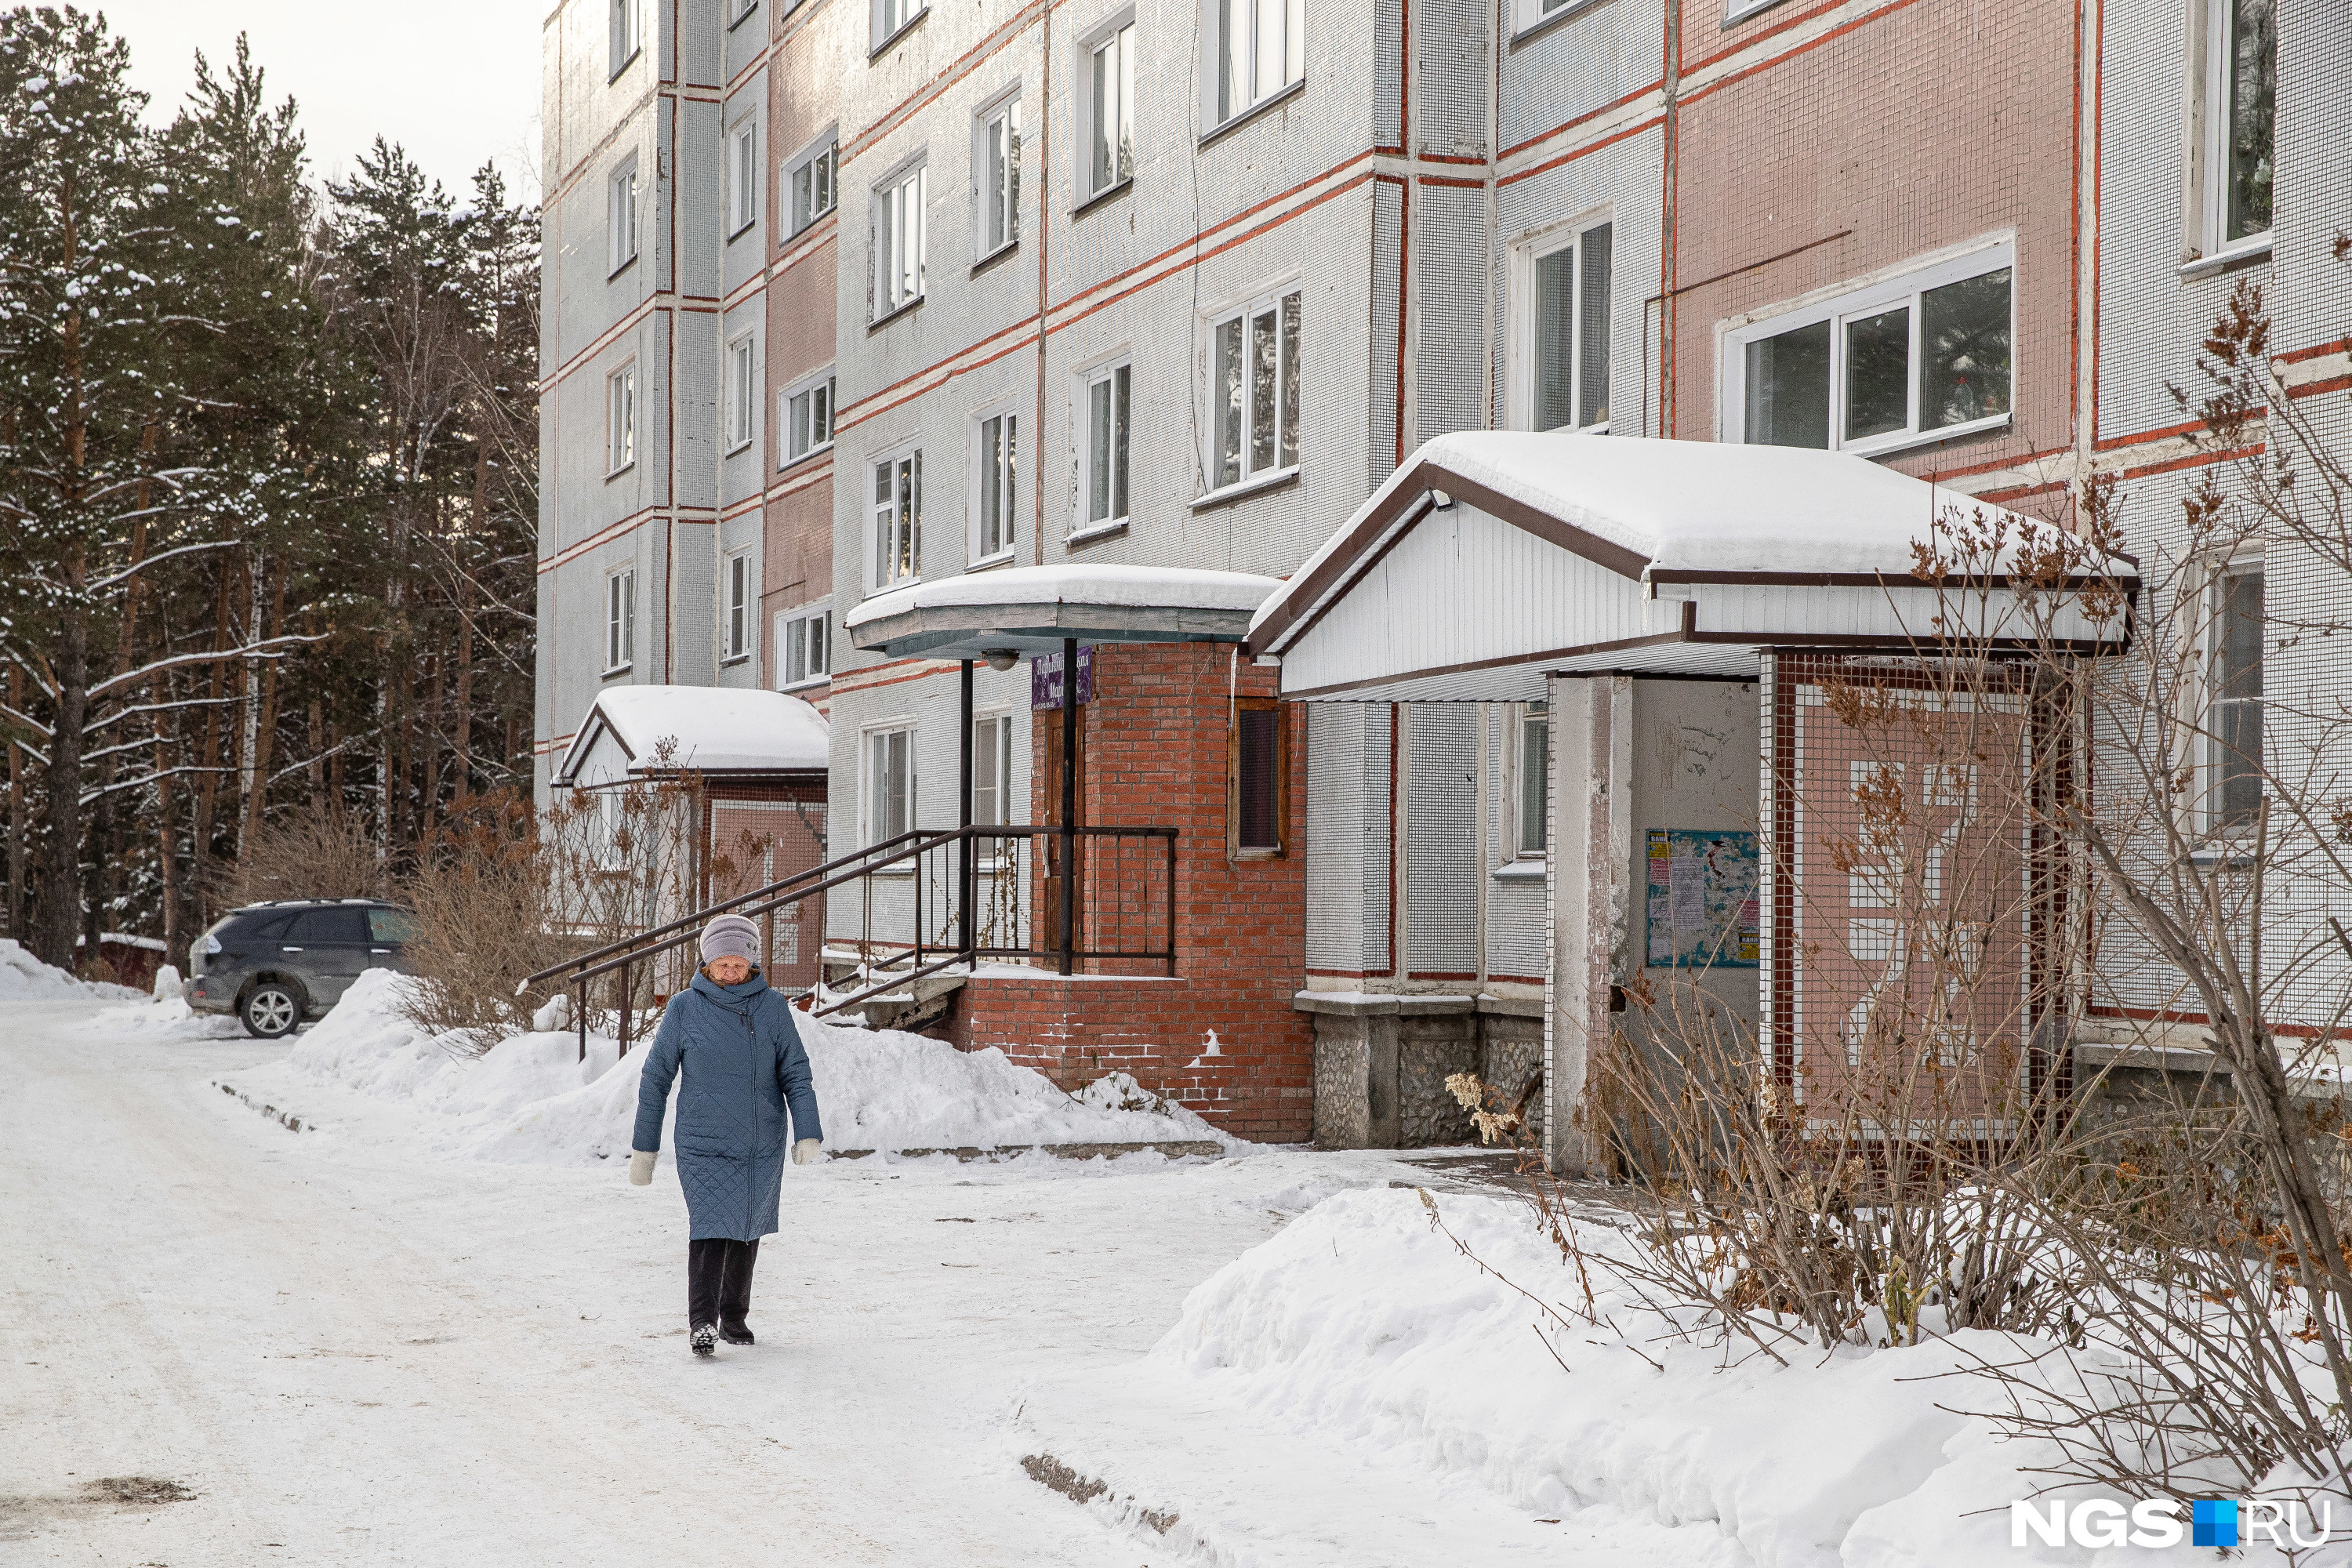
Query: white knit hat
x,y
730,936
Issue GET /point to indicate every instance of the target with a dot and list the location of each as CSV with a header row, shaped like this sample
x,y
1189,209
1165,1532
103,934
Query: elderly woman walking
x,y
735,1041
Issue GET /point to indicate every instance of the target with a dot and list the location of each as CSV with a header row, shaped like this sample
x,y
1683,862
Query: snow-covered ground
x,y
437,1326
24,978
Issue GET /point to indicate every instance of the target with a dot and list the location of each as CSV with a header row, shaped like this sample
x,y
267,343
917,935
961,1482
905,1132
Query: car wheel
x,y
271,1009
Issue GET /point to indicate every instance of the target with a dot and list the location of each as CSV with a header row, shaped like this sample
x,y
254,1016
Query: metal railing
x,y
965,894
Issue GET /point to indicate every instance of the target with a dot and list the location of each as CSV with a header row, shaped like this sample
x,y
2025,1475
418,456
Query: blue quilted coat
x,y
743,1064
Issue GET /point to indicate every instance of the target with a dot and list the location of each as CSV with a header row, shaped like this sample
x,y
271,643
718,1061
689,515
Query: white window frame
x,y
1222,53
992,777
741,404
996,208
1114,464
821,159
1857,301
743,181
1005,479
621,420
805,632
621,217
626,40
740,587
1116,36
892,18
1530,15
1526,259
620,618
1286,299
885,548
899,277
2213,199
820,391
737,10
2211,745
874,780
1516,851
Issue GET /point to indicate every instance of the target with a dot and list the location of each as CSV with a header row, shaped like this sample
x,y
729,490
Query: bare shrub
x,y
321,853
480,898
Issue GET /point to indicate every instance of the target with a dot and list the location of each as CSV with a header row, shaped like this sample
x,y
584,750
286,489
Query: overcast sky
x,y
455,81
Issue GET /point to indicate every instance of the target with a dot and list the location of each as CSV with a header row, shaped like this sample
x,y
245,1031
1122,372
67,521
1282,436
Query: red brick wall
x,y
1155,751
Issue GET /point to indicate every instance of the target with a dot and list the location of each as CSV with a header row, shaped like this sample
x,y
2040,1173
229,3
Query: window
x,y
997,464
897,519
1565,372
1532,779
2240,106
892,18
330,928
739,605
1261,777
743,390
742,176
804,645
1260,51
2234,729
808,418
621,418
1107,405
620,619
1531,12
992,770
739,9
898,240
621,217
1920,358
394,926
998,167
811,177
1255,392
889,783
1108,131
626,41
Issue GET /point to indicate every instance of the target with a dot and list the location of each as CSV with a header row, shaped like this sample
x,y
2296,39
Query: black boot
x,y
702,1340
735,1292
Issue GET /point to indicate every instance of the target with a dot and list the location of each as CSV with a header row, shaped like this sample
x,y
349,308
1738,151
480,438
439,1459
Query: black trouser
x,y
718,1280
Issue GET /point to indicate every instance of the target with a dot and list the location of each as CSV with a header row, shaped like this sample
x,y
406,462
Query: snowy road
x,y
351,1353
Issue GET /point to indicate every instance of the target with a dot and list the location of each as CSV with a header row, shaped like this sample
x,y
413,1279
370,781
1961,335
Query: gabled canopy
x,y
1032,609
1492,557
737,732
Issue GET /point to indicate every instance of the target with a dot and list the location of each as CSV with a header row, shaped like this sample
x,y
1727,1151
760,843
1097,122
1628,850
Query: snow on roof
x,y
716,729
1686,506
1114,587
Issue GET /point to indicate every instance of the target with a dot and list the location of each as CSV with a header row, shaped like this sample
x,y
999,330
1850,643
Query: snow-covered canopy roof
x,y
1491,557
709,730
1032,609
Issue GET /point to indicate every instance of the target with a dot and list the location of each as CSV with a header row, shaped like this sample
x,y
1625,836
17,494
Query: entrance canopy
x,y
632,733
1494,558
1027,610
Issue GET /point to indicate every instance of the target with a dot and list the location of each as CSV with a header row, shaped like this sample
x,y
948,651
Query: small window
x,y
1887,367
805,645
811,179
2234,732
998,170
1107,426
739,9
1261,777
897,519
808,420
626,16
1254,391
899,242
892,18
1533,769
1108,133
2240,111
1260,49
620,619
739,605
392,926
620,216
743,390
742,176
1567,375
889,783
1531,12
992,504
992,770
330,928
621,418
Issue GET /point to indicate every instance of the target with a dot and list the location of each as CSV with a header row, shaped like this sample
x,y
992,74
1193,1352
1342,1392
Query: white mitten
x,y
807,1149
641,1167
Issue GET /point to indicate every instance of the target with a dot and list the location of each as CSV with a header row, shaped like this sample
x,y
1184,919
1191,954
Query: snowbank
x,y
1359,1321
24,978
530,1100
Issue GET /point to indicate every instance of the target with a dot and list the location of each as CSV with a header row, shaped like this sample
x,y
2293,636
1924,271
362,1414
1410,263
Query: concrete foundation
x,y
1381,1063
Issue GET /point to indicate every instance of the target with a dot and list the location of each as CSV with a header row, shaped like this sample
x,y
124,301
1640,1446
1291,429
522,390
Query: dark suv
x,y
278,963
